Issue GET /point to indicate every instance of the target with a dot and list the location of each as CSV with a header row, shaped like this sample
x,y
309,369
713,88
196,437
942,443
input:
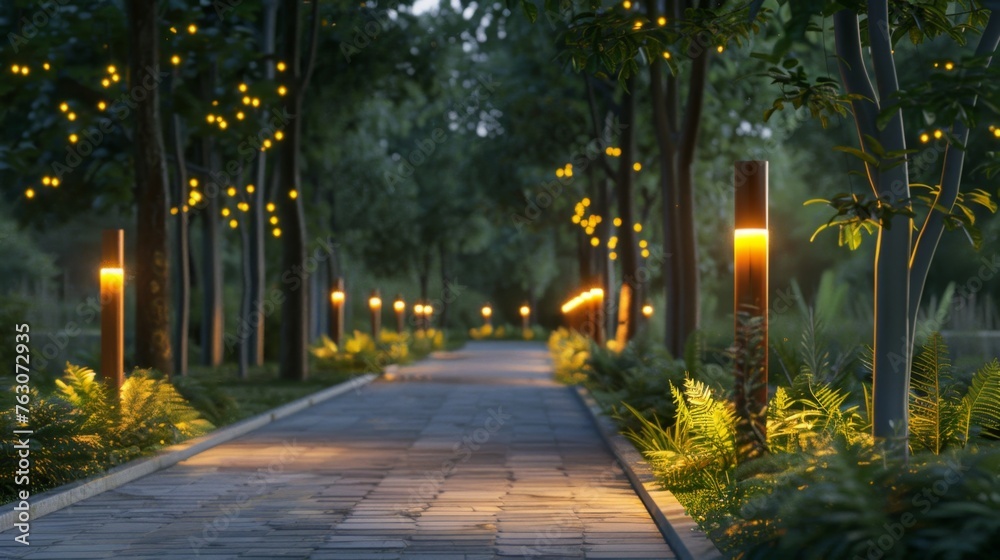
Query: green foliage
x,y
570,352
941,416
360,352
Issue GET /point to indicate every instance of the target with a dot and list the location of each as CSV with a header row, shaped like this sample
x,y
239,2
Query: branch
x,y
313,41
854,76
695,102
592,104
951,177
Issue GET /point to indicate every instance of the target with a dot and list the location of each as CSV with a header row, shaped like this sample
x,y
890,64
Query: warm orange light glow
x,y
647,310
375,302
418,308
337,297
399,305
525,311
487,311
428,310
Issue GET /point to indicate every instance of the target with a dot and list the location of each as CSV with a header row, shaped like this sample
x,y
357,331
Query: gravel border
x,y
678,528
68,494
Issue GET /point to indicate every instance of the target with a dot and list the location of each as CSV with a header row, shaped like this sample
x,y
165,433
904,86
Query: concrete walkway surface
x,y
475,454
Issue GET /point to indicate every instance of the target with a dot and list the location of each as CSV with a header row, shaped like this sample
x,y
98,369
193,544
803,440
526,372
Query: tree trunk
x,y
294,310
211,267
445,282
152,265
628,247
183,301
254,317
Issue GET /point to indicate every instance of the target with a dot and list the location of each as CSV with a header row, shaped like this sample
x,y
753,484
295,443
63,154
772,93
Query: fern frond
x,y
980,407
932,421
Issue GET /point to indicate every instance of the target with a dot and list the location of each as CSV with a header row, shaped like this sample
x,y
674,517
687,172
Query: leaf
x,y
530,10
866,157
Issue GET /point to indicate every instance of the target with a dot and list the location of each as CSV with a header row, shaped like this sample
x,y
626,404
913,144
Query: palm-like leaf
x,y
933,418
980,407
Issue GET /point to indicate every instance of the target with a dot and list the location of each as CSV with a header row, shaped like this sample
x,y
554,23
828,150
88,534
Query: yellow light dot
x,y
15,69
270,207
276,232
282,90
255,102
231,191
239,115
643,243
281,66
64,107
924,137
627,5
186,208
569,172
250,189
55,181
225,212
996,133
274,220
246,100
223,125
46,66
193,182
609,151
293,194
73,138
196,196
192,29
244,206
938,134
71,116
560,172
666,55
29,192
233,223
115,77
242,88
210,118
661,21
645,253
46,180
617,222
112,69
106,82
175,60
613,242
24,70
575,219
589,230
102,105
585,202
174,211
173,29
594,242
279,135
267,143
637,227
949,65
618,152
613,255
720,48
637,166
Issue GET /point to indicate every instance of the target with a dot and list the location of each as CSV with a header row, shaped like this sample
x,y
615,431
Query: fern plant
x,y
941,414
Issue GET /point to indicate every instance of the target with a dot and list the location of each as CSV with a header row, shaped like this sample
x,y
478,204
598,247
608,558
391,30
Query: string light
x,y
112,69
239,115
210,118
666,55
274,220
661,21
46,66
293,194
637,227
225,212
246,99
255,102
29,192
279,135
270,207
280,66
192,29
15,69
250,189
175,60
242,88
267,143
193,182
276,232
617,222
101,105
938,134
173,211
231,191
637,166
24,70
106,82
55,182
46,181
64,107
282,90
73,138
233,223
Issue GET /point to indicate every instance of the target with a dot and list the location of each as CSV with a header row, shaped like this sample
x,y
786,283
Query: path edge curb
x,y
73,492
678,528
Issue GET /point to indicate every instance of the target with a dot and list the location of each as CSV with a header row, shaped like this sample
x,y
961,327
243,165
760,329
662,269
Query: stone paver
x,y
474,455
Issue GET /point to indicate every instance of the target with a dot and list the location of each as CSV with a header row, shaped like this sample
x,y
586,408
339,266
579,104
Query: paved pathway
x,y
474,455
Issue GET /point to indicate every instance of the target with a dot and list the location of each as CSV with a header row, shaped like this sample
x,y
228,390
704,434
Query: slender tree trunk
x,y
295,309
183,301
211,255
152,323
627,245
445,282
244,341
257,216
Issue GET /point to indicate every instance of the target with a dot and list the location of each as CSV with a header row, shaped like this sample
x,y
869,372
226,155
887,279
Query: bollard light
x,y
399,306
597,295
487,314
647,311
750,256
418,313
525,317
113,308
428,315
337,312
375,305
